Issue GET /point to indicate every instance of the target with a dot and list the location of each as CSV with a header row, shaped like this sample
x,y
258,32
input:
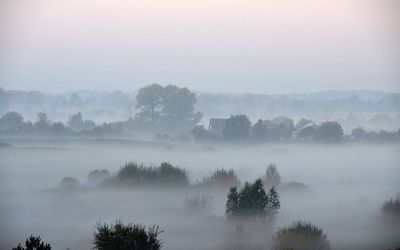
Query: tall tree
x,y
149,100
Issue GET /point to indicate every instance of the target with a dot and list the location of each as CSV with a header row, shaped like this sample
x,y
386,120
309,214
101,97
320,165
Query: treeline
x,y
238,128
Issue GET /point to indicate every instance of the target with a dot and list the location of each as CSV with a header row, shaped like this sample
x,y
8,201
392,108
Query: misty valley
x,y
47,190
164,176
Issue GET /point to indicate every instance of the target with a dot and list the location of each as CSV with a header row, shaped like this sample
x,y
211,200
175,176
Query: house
x,y
217,125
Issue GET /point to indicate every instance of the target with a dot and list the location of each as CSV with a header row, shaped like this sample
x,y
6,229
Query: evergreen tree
x,y
33,243
273,201
232,204
252,201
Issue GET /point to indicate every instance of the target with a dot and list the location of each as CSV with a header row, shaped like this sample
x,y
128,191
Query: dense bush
x,y
301,236
252,202
120,236
221,178
33,243
164,175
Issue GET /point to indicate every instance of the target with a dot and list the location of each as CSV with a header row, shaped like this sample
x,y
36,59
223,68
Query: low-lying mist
x,y
344,187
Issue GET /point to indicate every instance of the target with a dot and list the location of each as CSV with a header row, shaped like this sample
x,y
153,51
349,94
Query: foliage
x,y
329,132
198,203
164,175
76,123
96,176
69,183
170,108
120,236
259,131
237,128
252,202
392,207
221,178
301,236
11,120
33,243
272,177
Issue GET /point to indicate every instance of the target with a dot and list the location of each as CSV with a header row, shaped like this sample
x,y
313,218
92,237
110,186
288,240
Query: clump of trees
x,y
120,236
252,202
301,236
164,175
33,243
221,178
168,108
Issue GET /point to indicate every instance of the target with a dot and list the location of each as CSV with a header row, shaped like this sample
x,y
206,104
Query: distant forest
x,y
174,113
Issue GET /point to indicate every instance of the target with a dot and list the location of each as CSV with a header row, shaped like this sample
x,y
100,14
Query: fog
x,y
348,185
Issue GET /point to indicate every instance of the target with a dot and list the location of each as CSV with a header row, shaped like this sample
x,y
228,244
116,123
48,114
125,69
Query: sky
x,y
242,46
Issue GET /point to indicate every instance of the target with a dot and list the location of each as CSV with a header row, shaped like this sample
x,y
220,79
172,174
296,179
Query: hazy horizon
x,y
218,46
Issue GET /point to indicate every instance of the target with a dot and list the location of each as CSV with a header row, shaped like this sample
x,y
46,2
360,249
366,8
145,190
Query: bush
x,y
68,183
221,178
33,243
198,203
119,236
301,236
252,202
95,177
164,175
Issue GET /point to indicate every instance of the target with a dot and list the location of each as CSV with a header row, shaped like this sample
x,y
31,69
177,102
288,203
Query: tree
x,y
170,107
252,202
120,236
329,132
358,134
11,120
301,236
232,204
76,123
150,101
42,122
303,122
272,177
33,243
237,127
273,201
259,130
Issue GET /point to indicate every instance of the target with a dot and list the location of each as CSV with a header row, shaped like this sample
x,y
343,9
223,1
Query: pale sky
x,y
257,46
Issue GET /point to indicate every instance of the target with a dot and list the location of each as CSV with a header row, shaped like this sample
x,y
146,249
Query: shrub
x,y
198,203
68,183
165,175
301,236
33,243
252,202
129,236
97,176
221,178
